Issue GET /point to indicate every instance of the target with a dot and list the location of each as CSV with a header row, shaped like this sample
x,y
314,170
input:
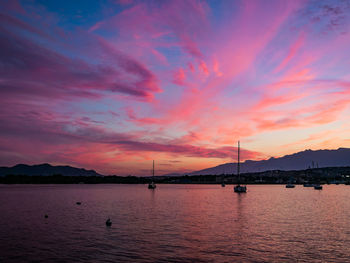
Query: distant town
x,y
325,175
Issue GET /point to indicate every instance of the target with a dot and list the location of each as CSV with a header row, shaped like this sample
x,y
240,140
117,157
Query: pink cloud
x,y
61,138
185,150
40,67
190,66
179,77
160,57
203,67
216,68
292,52
96,26
104,94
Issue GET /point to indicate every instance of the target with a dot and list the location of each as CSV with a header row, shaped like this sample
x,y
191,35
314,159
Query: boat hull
x,y
240,189
152,186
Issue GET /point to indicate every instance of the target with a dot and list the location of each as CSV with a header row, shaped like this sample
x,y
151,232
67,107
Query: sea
x,y
174,223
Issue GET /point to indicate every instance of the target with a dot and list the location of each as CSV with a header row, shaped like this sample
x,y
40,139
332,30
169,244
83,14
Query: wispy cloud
x,y
178,81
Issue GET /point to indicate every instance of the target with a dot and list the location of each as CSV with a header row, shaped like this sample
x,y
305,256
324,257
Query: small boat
x,y
46,216
290,185
239,188
223,179
78,203
318,187
108,222
152,185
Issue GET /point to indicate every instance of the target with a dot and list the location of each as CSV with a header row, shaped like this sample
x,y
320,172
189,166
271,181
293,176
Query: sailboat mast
x,y
153,170
239,175
239,188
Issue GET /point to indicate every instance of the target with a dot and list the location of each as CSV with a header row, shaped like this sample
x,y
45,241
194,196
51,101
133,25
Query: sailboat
x,y
223,179
152,185
239,188
318,187
290,184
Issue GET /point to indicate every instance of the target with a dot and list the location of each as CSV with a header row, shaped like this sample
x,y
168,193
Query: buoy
x,y
46,216
108,222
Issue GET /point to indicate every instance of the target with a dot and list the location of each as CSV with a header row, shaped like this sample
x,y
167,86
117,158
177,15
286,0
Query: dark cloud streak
x,y
41,67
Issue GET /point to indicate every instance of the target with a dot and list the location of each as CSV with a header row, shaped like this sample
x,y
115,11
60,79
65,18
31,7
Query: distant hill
x,y
297,161
46,170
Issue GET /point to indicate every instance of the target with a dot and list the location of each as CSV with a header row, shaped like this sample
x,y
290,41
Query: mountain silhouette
x,y
46,170
297,161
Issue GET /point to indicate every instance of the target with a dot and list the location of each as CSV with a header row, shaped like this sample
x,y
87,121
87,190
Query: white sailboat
x,y
152,185
239,188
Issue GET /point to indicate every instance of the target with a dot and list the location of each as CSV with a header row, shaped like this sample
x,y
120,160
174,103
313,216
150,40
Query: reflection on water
x,y
176,223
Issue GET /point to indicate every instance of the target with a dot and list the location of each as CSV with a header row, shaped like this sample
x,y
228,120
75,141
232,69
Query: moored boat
x,y
318,187
239,188
152,185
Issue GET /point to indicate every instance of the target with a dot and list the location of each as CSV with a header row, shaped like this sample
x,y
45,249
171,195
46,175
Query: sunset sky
x,y
113,85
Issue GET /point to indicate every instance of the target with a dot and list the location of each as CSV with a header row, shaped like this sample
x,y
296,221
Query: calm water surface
x,y
174,223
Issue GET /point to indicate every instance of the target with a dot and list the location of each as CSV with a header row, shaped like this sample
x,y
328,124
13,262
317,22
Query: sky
x,y
112,85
